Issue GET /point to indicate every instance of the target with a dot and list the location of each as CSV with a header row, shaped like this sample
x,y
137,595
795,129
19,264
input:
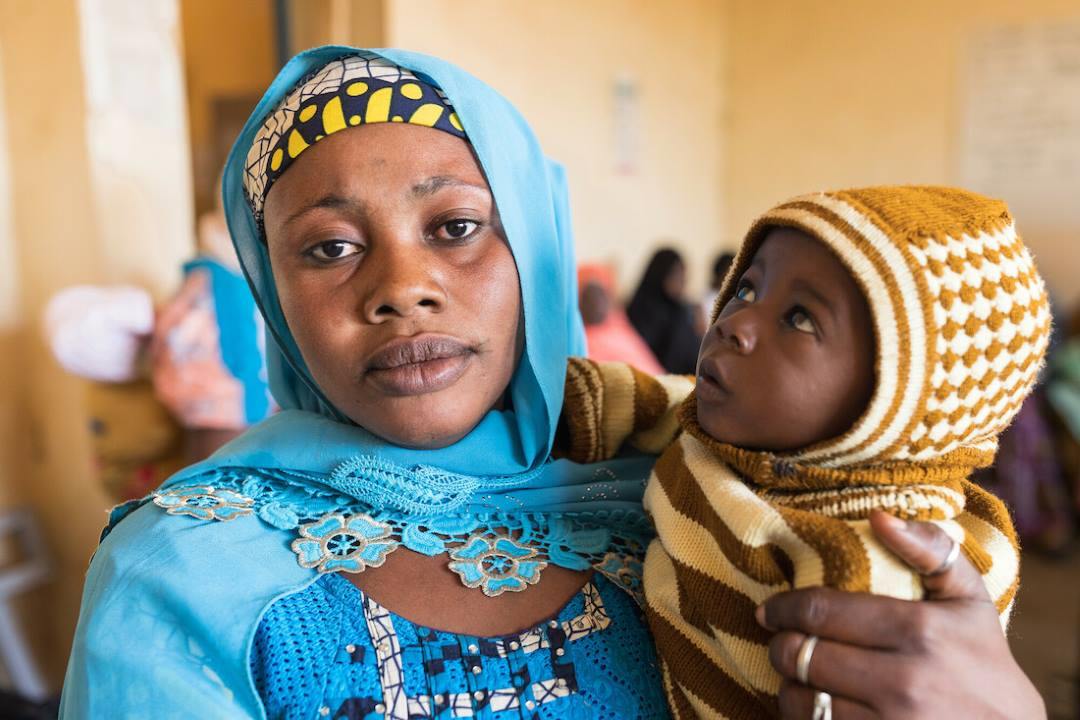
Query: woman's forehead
x,y
379,161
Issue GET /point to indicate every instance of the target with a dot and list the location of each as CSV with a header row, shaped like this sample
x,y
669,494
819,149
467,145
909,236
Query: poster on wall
x,y
1019,136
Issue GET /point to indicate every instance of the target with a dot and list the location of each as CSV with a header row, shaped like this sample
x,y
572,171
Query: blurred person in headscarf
x,y
208,357
660,313
608,333
703,312
1063,397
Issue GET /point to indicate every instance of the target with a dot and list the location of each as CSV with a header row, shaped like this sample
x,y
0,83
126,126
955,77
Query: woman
x,y
608,334
661,315
421,305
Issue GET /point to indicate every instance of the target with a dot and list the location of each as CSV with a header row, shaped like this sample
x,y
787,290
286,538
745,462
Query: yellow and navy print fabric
x,y
355,90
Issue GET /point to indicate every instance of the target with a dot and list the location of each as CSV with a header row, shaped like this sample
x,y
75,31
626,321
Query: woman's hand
x,y
944,657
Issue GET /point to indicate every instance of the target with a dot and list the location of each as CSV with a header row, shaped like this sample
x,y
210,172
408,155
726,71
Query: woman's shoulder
x,y
152,545
170,604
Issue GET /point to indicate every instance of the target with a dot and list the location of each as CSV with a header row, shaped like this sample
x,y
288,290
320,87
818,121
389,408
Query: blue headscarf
x,y
509,448
192,593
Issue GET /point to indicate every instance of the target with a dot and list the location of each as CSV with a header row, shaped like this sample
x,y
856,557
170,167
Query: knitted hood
x,y
960,315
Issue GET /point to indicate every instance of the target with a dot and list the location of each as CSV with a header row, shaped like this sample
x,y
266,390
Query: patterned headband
x,y
349,91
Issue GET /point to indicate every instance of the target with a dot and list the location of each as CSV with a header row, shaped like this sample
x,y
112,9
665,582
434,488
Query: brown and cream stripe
x,y
962,323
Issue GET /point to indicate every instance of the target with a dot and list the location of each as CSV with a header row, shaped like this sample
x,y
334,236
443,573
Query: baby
x,y
867,349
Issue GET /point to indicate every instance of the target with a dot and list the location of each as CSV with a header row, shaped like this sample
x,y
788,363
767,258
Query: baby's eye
x,y
801,321
333,250
746,292
457,229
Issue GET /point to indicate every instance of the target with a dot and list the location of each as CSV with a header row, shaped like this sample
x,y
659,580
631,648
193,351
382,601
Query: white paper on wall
x,y
1019,136
1021,120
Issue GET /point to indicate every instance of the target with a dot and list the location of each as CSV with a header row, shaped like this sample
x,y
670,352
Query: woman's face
x,y
396,280
675,281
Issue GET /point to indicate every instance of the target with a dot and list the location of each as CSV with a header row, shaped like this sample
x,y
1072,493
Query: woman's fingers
x,y
797,703
843,670
925,547
869,621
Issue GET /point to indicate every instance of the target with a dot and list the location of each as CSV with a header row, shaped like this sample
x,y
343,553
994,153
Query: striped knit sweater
x,y
731,533
961,322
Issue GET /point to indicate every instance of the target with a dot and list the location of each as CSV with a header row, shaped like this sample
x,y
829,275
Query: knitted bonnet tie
x,y
960,316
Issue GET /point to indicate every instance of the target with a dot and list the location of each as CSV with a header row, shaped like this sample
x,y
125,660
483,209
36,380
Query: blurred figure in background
x,y
608,333
1063,396
101,334
207,354
703,313
660,313
1032,468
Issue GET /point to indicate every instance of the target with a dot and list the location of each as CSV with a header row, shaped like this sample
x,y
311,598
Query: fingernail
x,y
759,615
895,523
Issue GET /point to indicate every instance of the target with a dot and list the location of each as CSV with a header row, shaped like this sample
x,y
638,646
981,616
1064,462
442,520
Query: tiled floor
x,y
1045,630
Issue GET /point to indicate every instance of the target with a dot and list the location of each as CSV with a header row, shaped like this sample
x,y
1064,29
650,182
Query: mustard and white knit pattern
x,y
962,324
960,314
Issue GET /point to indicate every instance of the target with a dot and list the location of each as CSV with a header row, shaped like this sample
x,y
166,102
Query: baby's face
x,y
790,360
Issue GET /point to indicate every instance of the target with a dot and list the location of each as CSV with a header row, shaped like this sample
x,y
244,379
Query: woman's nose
x,y
403,283
738,330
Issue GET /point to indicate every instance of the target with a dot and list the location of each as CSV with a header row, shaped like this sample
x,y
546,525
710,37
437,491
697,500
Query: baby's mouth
x,y
712,385
419,364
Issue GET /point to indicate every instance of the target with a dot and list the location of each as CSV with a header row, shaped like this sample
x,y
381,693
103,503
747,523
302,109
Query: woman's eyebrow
x,y
436,183
331,201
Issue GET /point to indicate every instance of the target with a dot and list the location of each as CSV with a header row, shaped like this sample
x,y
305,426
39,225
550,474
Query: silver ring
x,y
802,660
948,562
822,706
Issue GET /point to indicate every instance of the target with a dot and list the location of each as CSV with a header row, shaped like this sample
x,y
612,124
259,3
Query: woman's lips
x,y
418,365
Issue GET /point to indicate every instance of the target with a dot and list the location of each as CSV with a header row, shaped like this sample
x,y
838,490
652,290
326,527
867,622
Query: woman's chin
x,y
419,430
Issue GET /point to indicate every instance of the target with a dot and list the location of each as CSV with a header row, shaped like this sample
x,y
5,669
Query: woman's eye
x,y
801,321
746,293
333,250
457,229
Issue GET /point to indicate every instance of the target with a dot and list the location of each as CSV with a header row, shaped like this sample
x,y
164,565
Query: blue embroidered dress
x,y
329,651
219,596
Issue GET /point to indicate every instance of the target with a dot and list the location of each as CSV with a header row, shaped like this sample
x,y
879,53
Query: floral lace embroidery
x,y
496,566
204,502
497,551
625,571
344,542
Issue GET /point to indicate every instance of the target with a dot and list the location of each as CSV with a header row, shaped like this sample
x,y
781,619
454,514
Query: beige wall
x,y
221,62
93,198
11,454
361,23
848,92
558,62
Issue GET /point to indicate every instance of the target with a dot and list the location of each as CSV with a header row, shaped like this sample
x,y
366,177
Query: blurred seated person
x,y
703,312
207,354
661,315
608,333
1063,394
100,334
